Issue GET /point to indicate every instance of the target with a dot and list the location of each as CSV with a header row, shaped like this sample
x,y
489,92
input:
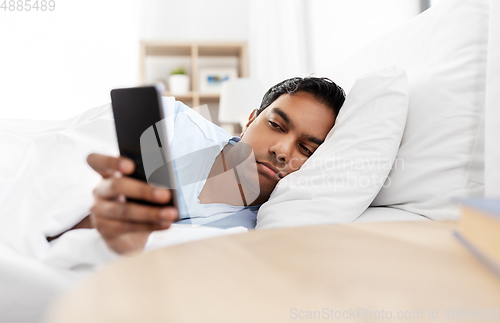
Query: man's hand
x,y
125,226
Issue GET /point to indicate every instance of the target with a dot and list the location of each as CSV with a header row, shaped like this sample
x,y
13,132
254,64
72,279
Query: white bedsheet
x,y
182,233
28,286
46,187
45,183
387,214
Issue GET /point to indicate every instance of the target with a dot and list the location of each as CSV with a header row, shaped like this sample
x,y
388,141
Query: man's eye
x,y
275,125
306,151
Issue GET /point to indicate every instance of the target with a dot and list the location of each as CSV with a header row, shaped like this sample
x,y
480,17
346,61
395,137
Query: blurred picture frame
x,y
210,79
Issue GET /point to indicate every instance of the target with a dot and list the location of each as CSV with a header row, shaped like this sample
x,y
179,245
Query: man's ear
x,y
251,119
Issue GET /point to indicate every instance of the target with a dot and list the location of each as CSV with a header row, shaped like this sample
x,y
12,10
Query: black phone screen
x,y
138,112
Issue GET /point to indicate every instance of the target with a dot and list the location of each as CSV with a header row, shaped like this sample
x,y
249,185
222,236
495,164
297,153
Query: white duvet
x,y
45,184
45,188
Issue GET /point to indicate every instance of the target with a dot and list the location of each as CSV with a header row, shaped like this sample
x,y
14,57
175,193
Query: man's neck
x,y
222,184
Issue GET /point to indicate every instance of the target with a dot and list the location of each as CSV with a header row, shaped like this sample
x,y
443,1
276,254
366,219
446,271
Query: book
x,y
479,230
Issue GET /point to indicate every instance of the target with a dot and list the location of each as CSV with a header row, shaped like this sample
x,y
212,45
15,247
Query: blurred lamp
x,y
238,98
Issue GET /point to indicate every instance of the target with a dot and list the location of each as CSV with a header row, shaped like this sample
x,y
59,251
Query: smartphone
x,y
142,136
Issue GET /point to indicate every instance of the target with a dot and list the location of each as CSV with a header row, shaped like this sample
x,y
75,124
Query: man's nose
x,y
282,150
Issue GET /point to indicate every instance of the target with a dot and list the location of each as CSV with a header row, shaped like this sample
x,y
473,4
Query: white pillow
x,y
343,176
444,51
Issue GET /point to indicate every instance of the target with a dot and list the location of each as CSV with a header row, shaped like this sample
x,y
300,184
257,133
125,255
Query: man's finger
x,y
111,188
134,212
106,166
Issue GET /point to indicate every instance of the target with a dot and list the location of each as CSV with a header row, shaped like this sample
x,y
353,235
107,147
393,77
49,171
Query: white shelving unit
x,y
193,53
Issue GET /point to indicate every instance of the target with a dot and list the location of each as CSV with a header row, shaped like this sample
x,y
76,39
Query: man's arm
x,y
83,224
125,226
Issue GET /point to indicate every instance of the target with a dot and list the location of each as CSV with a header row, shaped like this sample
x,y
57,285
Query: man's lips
x,y
271,170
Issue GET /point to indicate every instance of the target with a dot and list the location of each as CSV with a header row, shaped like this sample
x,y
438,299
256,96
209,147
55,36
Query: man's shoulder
x,y
187,119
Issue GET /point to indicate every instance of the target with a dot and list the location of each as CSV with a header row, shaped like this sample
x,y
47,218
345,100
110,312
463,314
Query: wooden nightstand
x,y
412,270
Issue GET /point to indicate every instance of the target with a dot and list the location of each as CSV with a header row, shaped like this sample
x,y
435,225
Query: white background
x,y
54,65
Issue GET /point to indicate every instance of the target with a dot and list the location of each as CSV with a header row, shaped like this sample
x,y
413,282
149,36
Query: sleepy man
x,y
293,120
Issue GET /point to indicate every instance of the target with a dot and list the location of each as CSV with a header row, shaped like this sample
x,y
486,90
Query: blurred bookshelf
x,y
158,58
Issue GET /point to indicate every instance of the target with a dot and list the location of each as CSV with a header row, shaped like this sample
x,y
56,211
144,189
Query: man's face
x,y
285,135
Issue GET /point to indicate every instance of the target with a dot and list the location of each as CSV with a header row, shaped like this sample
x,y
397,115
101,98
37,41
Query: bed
x,y
448,140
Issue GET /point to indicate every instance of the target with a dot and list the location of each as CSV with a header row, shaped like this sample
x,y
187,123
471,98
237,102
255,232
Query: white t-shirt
x,y
194,143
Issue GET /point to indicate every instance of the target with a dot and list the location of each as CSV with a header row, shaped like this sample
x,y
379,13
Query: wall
x,y
56,64
339,28
194,20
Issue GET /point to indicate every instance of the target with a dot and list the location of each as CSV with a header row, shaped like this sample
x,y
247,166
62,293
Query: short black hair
x,y
323,89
